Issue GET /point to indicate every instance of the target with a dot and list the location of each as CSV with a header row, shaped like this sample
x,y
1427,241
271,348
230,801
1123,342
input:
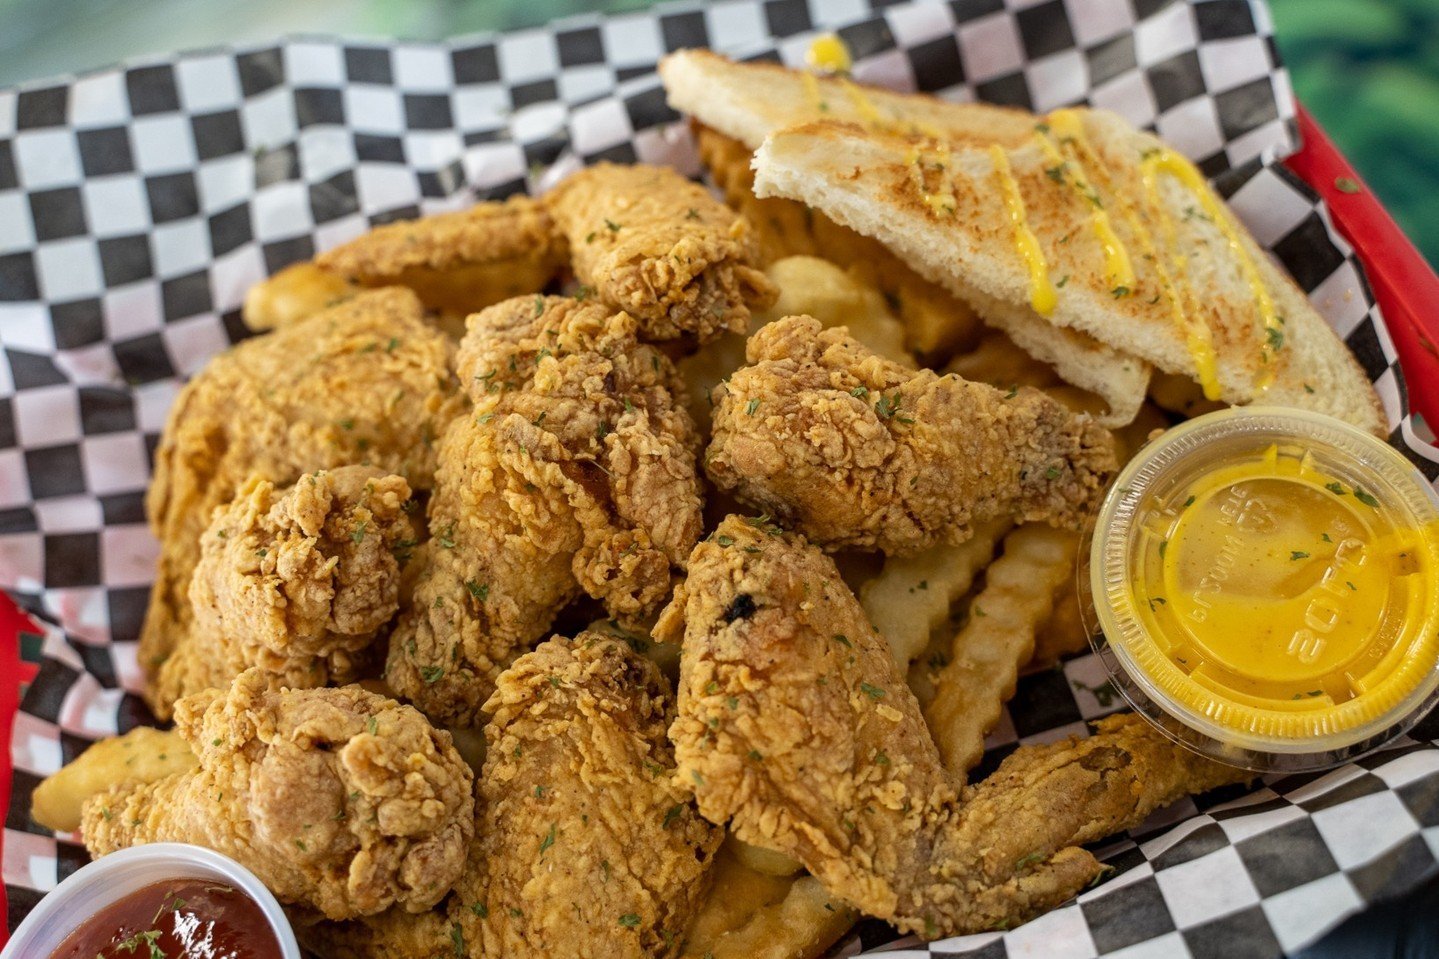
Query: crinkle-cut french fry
x,y
814,287
935,323
144,754
297,292
1180,394
1135,434
763,860
754,916
912,595
996,360
809,286
781,227
1063,633
736,892
997,640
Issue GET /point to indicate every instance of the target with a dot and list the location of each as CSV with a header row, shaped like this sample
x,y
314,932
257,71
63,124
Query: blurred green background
x,y
1367,69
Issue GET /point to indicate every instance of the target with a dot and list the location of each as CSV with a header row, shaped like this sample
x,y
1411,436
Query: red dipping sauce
x,y
176,919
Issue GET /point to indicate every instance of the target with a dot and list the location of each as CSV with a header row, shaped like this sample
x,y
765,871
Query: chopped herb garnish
x,y
724,540
1365,498
358,533
1052,473
1119,291
1336,488
629,920
480,591
873,692
612,226
1298,554
671,814
431,674
549,839
751,406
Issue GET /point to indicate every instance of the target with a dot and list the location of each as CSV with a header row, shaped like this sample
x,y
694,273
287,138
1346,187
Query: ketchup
x,y
176,919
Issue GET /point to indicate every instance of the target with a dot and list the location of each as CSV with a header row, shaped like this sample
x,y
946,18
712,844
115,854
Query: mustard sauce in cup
x,y
1265,583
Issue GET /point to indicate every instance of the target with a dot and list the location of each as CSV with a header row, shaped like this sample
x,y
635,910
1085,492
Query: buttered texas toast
x,y
1097,227
749,101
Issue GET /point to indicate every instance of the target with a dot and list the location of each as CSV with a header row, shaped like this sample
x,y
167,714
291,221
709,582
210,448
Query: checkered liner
x,y
137,205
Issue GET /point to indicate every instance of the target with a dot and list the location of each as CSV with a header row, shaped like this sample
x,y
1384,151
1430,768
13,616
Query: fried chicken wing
x,y
796,728
574,474
339,800
367,381
297,582
858,451
464,261
586,845
652,243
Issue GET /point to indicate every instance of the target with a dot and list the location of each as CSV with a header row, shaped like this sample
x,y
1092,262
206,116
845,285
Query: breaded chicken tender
x,y
586,846
340,801
796,728
858,451
297,582
366,382
574,474
652,243
465,261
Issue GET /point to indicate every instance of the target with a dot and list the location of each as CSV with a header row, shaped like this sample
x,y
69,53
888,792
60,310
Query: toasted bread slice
x,y
748,101
1204,300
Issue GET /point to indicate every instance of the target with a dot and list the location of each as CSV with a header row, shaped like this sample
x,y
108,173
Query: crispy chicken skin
x,y
466,260
796,728
297,582
586,845
365,382
339,800
574,474
859,452
652,243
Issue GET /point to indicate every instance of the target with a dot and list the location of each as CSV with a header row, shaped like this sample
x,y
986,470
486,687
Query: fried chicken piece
x,y
367,381
796,728
462,261
652,243
586,845
296,582
575,474
859,452
339,800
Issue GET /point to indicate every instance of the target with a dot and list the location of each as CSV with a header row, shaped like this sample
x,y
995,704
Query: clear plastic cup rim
x,y
1105,558
111,878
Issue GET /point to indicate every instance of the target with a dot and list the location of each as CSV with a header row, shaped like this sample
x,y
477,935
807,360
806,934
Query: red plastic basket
x,y
1406,288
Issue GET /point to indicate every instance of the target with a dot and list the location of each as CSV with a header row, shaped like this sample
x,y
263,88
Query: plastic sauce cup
x,y
1265,586
113,877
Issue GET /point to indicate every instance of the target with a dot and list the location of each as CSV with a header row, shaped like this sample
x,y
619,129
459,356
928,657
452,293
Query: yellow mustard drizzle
x,y
1167,161
868,112
1118,269
829,53
811,91
1042,295
1198,340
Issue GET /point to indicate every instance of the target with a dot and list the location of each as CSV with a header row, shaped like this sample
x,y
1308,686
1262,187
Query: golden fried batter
x,y
296,582
367,382
339,800
586,846
796,728
658,246
461,261
575,473
296,293
858,451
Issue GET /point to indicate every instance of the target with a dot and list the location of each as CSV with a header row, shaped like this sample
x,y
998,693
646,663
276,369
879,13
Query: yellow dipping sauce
x,y
1269,581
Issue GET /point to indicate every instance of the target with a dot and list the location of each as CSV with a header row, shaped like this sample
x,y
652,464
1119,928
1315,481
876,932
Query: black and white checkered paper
x,y
138,204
